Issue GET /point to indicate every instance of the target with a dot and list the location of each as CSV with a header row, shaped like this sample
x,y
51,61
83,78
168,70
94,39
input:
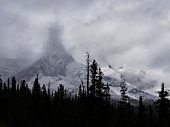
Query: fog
x,y
125,32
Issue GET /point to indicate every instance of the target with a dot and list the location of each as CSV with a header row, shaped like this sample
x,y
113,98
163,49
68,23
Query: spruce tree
x,y
141,113
80,93
4,88
1,84
124,98
13,85
61,92
93,71
23,87
106,94
124,106
44,91
100,86
151,121
8,86
36,90
163,105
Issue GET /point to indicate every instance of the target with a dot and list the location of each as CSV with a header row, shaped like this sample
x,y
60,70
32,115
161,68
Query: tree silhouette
x,y
162,107
100,86
93,71
1,84
124,98
107,94
141,113
13,85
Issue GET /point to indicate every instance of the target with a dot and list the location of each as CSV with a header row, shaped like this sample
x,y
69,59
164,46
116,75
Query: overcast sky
x,y
135,33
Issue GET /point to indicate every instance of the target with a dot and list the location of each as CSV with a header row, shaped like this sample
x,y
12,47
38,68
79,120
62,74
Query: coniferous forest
x,y
92,106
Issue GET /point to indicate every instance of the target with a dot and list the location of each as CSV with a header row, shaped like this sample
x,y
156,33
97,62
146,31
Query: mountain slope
x,y
9,67
114,78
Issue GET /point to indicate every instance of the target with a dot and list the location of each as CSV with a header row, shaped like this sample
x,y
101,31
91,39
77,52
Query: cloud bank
x,y
116,32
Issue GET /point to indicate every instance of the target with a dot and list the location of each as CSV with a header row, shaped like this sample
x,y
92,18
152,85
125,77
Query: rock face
x,y
52,64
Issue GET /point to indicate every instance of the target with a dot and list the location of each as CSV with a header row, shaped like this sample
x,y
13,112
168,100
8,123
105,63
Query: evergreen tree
x,y
1,90
162,107
100,86
4,88
18,88
1,84
151,121
23,87
106,94
93,70
141,113
8,84
36,90
61,92
124,107
36,98
124,98
13,85
44,91
80,93
49,90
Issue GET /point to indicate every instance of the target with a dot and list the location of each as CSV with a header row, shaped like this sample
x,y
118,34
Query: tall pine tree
x,y
163,105
13,85
100,86
141,113
124,97
93,71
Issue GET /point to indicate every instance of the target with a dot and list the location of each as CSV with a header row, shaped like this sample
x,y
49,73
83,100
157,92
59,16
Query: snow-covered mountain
x,y
59,67
56,66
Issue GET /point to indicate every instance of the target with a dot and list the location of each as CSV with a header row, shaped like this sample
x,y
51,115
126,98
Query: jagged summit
x,y
53,62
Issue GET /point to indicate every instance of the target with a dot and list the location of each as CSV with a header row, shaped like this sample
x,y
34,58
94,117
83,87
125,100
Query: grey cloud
x,y
131,32
161,59
54,39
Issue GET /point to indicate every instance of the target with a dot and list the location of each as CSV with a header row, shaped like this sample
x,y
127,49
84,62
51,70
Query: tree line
x,y
91,106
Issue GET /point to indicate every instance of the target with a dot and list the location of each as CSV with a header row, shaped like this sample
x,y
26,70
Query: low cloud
x,y
131,32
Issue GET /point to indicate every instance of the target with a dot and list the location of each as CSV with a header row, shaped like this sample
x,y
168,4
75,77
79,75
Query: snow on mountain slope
x,y
70,80
140,78
114,78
